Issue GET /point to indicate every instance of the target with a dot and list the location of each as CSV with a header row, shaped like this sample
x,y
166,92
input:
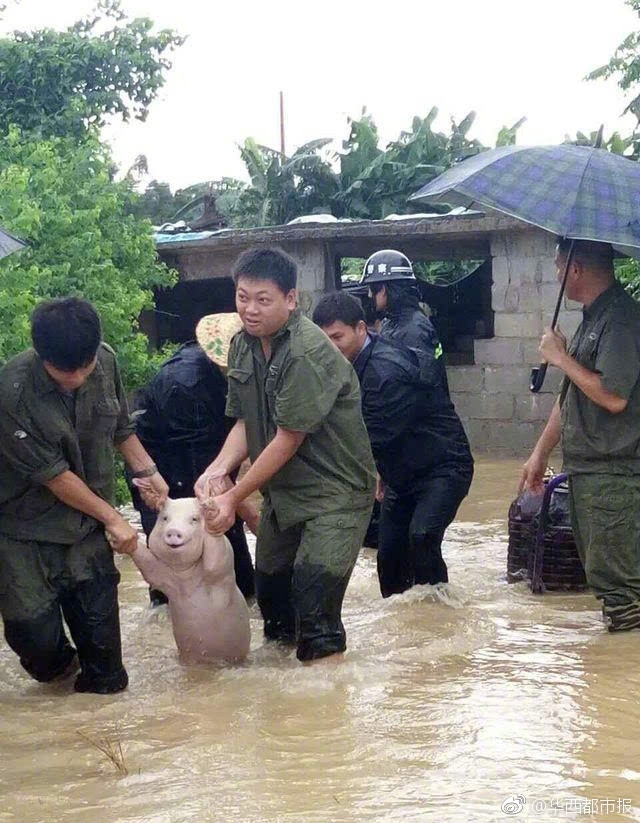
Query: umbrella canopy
x,y
9,243
579,192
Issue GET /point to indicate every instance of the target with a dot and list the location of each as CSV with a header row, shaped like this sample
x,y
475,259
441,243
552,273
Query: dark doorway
x,y
178,309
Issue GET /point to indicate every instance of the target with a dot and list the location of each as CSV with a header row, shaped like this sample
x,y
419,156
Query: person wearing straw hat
x,y
597,418
180,421
296,402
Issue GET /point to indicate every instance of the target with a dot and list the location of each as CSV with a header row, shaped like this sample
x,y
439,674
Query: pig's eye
x,y
195,519
164,518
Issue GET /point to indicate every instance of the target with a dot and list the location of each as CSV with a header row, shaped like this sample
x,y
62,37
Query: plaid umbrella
x,y
9,243
579,192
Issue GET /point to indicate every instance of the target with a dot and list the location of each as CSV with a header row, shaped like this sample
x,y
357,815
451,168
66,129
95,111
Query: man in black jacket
x,y
418,442
181,422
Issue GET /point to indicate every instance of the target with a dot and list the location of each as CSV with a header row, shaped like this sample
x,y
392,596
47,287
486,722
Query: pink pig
x,y
194,569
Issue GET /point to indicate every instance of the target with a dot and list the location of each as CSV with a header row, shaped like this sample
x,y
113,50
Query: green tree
x,y
57,186
157,203
62,82
60,194
282,187
377,182
363,180
625,67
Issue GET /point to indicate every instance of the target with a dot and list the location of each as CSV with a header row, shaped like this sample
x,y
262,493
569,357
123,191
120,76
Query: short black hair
x,y
267,264
588,252
338,306
66,332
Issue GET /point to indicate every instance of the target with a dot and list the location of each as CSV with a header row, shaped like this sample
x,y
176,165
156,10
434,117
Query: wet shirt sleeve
x,y
305,394
125,426
618,358
28,452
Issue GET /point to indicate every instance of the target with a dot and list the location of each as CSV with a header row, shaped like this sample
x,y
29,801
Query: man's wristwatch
x,y
146,472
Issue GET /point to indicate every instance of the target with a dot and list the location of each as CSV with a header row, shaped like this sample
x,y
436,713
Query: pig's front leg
x,y
153,571
217,557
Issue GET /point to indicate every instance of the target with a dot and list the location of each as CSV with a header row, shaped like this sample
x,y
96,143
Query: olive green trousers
x,y
605,516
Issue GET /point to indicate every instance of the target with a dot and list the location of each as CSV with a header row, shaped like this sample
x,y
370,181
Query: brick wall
x,y
492,397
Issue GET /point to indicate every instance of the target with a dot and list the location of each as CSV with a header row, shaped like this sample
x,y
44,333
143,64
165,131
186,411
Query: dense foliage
x,y
62,82
625,67
361,181
59,194
57,184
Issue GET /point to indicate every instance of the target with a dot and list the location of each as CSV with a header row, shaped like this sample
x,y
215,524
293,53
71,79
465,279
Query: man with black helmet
x,y
418,442
393,289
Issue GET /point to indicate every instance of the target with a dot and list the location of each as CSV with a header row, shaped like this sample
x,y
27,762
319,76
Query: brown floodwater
x,y
477,701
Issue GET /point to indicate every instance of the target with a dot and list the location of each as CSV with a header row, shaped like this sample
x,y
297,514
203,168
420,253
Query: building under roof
x,y
490,322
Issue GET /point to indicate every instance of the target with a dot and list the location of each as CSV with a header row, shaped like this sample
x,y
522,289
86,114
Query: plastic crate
x,y
541,547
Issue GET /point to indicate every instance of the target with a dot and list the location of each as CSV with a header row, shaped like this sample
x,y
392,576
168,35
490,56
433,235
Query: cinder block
x,y
548,269
499,293
533,243
529,299
550,292
477,433
484,406
514,270
501,271
521,297
502,439
465,378
498,351
510,379
523,324
530,352
534,408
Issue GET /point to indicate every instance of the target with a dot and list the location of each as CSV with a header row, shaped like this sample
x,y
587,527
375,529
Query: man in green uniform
x,y
597,418
62,410
297,404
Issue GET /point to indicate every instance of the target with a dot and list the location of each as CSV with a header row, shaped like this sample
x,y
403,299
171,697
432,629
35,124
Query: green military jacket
x,y
307,386
607,342
44,432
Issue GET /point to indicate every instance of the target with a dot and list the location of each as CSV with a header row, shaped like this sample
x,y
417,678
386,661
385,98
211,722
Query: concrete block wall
x,y
500,414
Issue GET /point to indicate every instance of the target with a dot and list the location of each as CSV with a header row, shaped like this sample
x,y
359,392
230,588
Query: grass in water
x,y
111,749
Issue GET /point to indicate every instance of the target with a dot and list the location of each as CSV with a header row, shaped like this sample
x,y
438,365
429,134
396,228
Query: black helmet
x,y
385,266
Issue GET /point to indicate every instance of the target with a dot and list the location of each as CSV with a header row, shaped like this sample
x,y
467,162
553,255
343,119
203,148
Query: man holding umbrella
x,y
597,418
590,195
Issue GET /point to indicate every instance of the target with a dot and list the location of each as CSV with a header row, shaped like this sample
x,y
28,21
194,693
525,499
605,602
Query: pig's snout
x,y
176,536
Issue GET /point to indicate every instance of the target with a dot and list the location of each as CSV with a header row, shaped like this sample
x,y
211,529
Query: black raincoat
x,y
181,423
412,424
406,323
422,454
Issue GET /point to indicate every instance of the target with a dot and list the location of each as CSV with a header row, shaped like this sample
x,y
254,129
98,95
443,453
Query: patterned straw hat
x,y
214,333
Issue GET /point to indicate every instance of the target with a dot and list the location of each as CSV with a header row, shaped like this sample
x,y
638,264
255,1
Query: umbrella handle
x,y
538,374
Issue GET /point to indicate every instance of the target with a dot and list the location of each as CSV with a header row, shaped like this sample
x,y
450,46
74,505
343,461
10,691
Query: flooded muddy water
x,y
477,701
